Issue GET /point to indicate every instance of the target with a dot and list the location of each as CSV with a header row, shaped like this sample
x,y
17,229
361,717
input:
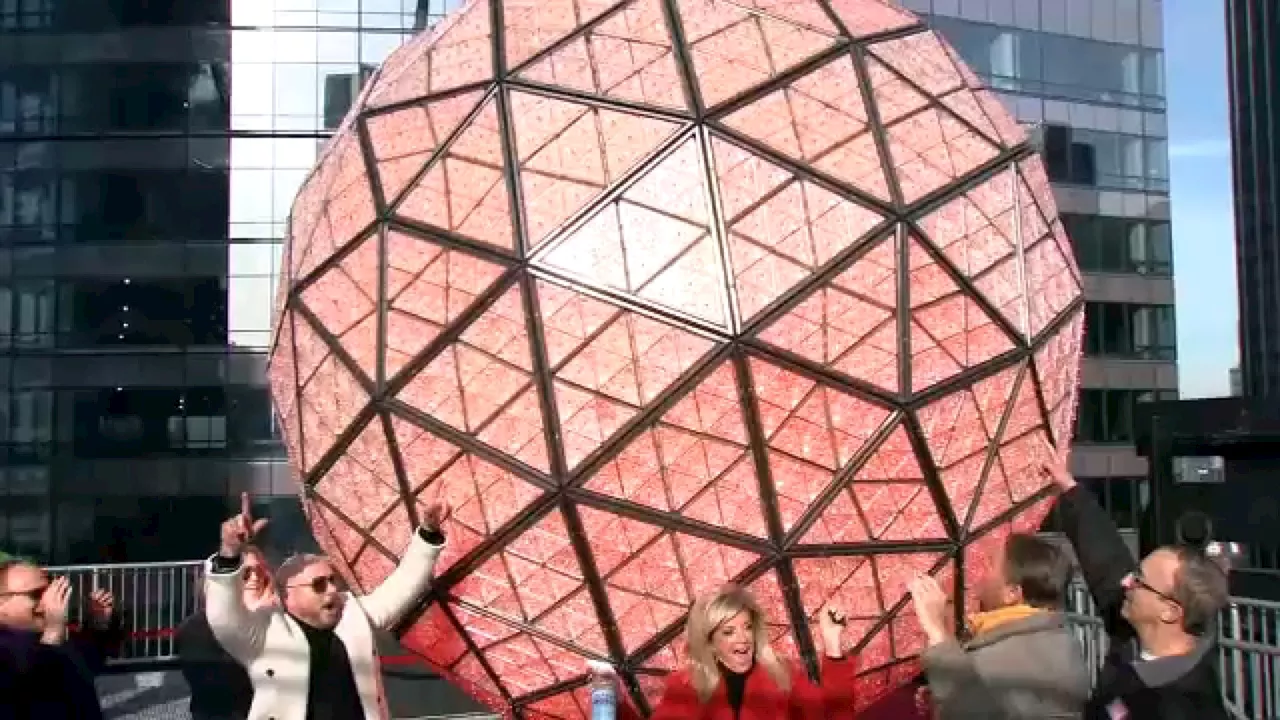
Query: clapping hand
x,y
931,607
240,529
102,606
54,604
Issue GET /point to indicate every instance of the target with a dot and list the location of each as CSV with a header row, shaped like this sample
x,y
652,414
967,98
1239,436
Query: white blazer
x,y
274,650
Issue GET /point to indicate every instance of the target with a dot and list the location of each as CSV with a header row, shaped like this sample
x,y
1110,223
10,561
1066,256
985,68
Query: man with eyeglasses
x,y
314,658
1160,615
47,669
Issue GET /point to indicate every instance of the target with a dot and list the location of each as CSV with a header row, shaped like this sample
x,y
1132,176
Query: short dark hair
x,y
1039,568
292,567
1200,588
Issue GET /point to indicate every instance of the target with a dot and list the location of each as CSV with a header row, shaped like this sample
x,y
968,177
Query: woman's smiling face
x,y
734,642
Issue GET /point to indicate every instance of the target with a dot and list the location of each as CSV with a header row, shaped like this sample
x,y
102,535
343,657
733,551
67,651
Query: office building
x,y
1088,77
1253,57
149,152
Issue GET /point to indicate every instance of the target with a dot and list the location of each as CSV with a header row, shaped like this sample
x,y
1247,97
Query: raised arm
x,y
409,582
241,631
832,698
1105,559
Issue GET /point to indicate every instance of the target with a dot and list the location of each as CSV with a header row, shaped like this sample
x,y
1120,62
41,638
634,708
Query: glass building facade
x,y
1088,76
149,152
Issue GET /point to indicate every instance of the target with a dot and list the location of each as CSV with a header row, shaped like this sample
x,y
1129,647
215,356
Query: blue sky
x,y
1200,172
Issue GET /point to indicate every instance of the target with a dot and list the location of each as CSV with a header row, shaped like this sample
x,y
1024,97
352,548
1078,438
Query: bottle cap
x,y
601,668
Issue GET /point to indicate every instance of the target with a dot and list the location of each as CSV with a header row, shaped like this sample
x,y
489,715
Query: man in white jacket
x,y
314,658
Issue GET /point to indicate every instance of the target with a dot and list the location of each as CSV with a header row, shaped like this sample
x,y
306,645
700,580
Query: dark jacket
x,y
220,687
44,682
1028,669
1183,687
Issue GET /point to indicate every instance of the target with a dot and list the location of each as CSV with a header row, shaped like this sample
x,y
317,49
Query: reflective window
x,y
1104,159
1058,65
1145,332
1121,245
1107,415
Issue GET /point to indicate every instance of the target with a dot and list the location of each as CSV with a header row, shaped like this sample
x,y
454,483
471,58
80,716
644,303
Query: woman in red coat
x,y
733,674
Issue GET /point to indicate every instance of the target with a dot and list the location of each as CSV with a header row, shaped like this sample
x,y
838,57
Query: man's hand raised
x,y
240,529
1058,473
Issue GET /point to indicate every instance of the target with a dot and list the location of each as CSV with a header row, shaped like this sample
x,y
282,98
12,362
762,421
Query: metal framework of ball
x,y
662,294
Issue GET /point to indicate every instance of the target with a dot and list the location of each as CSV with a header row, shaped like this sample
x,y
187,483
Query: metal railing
x,y
1248,650
154,598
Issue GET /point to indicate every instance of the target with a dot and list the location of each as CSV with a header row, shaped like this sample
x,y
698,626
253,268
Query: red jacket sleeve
x,y
832,698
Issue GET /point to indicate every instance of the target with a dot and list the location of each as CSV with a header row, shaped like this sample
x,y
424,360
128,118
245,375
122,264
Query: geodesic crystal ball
x,y
661,294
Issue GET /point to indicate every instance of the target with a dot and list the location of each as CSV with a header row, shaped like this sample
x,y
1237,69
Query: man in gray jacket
x,y
1020,660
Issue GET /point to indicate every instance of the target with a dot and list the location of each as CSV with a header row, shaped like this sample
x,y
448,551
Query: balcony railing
x,y
155,597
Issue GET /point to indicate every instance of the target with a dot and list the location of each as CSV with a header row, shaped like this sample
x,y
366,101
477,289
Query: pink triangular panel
x,y
783,235
570,152
404,140
863,18
587,419
456,52
955,331
923,59
977,229
429,286
1051,285
532,25
1023,460
331,399
1002,285
628,56
933,148
465,190
364,473
734,50
1058,369
851,323
819,118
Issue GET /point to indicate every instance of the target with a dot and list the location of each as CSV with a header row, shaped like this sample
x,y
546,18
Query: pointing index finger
x,y
246,507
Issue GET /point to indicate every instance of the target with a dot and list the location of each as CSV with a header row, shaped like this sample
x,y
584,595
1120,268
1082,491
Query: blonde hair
x,y
705,618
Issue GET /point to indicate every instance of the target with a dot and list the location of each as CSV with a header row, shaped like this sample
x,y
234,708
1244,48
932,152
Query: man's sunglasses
x,y
320,584
1136,580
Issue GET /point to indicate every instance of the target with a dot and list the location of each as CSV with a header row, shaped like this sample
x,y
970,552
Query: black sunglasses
x,y
1136,579
320,584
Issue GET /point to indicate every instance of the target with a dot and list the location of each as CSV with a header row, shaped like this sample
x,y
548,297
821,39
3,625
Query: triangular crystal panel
x,y
481,376
820,119
569,153
428,286
862,18
654,242
457,52
532,25
978,228
465,190
849,324
345,308
950,332
628,56
783,232
734,49
331,397
405,139
923,59
1059,374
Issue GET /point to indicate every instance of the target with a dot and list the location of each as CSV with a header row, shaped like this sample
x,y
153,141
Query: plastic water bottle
x,y
604,691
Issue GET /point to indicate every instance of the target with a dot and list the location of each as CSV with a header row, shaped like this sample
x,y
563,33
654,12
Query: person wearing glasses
x,y
47,668
1159,615
313,657
220,687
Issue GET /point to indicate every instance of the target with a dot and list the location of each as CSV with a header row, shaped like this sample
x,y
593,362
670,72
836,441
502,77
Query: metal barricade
x,y
152,598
